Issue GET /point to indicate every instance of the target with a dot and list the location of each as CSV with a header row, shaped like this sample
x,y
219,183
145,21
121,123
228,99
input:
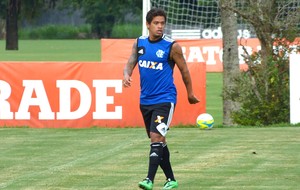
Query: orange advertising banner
x,y
209,51
79,95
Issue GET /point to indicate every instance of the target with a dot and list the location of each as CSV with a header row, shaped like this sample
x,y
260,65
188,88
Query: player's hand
x,y
127,81
193,99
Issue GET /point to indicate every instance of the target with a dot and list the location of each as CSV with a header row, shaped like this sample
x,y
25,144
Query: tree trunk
x,y
12,25
230,58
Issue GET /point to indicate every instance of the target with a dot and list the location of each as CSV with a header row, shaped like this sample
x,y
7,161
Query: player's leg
x,y
160,120
155,157
152,119
146,111
158,129
165,165
166,114
147,116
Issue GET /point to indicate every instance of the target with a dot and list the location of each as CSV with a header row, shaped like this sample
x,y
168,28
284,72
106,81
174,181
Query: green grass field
x,y
97,158
53,50
230,158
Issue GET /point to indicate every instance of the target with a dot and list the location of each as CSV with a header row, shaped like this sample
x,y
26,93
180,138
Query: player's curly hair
x,y
155,12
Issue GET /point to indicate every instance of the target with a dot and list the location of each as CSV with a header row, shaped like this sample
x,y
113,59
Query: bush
x,y
263,90
126,31
81,32
56,32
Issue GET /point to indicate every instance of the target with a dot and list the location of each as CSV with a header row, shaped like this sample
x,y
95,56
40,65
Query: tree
x,y
270,19
264,88
103,14
16,8
230,58
13,8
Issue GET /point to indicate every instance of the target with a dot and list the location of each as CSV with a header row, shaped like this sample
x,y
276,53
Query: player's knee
x,y
156,137
156,152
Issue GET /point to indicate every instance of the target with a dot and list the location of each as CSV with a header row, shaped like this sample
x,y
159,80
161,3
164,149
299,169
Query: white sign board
x,y
295,88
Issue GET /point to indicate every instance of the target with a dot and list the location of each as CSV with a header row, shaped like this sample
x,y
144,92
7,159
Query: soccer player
x,y
156,55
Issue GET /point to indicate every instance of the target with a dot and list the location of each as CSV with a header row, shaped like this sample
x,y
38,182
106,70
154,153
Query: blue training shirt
x,y
156,70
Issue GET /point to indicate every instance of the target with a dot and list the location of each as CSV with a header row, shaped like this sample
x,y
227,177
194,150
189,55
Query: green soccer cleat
x,y
146,184
170,184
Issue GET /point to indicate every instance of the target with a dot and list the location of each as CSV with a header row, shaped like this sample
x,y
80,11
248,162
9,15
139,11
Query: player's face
x,y
156,27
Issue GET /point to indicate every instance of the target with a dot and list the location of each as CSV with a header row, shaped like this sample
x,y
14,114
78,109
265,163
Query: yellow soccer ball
x,y
205,121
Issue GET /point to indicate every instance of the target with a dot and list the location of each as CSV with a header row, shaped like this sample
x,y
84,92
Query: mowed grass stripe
x,y
53,50
59,153
96,158
250,158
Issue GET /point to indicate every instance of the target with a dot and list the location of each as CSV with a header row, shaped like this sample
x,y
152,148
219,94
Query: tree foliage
x,y
103,14
270,19
29,9
264,93
263,90
3,5
13,10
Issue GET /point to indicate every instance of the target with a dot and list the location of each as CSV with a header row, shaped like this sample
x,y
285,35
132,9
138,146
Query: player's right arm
x,y
128,69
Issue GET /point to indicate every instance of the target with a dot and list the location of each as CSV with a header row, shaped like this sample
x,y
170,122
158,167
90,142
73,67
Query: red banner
x,y
74,94
195,51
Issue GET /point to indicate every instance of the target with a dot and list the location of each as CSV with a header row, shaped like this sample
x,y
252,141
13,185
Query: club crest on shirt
x,y
160,53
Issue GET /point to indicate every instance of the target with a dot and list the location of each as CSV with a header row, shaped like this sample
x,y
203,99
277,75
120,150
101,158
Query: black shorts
x,y
156,114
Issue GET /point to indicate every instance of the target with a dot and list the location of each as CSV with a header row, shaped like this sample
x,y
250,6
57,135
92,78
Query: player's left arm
x,y
177,56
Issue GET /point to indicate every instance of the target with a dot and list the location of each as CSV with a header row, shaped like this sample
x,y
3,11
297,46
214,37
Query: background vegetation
x,y
101,17
77,32
265,85
266,92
